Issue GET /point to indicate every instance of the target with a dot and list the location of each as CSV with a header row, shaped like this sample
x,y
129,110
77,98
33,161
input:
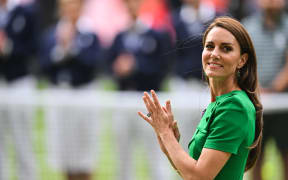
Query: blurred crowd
x,y
137,44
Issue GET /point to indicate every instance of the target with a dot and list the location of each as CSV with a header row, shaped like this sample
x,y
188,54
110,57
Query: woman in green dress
x,y
227,140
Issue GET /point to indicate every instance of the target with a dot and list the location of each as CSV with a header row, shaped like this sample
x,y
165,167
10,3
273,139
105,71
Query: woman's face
x,y
221,55
70,9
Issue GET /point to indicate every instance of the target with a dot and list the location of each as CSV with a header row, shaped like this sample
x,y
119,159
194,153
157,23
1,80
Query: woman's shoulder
x,y
236,100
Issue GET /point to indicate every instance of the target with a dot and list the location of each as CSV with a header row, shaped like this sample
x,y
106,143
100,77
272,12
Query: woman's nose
x,y
215,54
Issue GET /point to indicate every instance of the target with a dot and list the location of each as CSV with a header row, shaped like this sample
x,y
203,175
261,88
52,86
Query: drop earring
x,y
238,73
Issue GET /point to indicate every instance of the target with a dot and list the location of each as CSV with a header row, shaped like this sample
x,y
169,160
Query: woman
x,y
228,139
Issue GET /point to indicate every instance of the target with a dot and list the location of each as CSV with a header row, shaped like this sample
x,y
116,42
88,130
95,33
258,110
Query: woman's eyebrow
x,y
223,43
226,44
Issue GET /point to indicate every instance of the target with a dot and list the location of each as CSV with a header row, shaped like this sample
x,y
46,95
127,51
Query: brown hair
x,y
247,79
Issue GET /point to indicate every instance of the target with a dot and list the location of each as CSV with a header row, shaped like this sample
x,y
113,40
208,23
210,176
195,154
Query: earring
x,y
238,73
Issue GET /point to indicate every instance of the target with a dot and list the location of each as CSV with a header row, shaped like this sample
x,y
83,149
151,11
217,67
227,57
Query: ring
x,y
149,114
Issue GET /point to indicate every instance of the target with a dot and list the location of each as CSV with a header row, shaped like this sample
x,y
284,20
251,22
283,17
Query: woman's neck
x,y
219,87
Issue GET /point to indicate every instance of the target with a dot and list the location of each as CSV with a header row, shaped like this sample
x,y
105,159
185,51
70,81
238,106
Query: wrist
x,y
167,134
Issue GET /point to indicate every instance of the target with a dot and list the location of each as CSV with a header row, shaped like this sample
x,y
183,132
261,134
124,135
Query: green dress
x,y
227,125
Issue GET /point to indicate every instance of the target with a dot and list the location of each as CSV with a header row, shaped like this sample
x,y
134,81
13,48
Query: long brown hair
x,y
247,77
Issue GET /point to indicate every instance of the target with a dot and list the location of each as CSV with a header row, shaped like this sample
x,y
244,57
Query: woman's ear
x,y
243,60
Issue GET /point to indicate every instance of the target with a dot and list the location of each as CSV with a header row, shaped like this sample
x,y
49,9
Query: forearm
x,y
172,164
177,136
281,81
182,162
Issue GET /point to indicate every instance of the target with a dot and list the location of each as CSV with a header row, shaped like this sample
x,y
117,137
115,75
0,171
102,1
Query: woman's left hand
x,y
160,118
176,135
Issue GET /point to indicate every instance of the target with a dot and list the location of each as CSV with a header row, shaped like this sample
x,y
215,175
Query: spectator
x,y
240,9
189,22
221,6
156,14
139,61
47,13
138,54
17,49
70,54
100,11
269,32
174,4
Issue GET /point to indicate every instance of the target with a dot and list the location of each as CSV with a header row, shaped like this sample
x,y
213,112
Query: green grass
x,y
272,167
106,166
40,146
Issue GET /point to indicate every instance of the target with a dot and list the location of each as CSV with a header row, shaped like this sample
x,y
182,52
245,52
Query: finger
x,y
164,109
149,101
147,104
145,118
169,111
177,135
168,106
152,105
155,99
176,131
175,124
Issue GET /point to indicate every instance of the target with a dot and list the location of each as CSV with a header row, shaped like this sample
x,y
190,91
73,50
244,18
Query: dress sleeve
x,y
229,126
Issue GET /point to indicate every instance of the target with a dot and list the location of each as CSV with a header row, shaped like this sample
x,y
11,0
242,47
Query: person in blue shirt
x,y
70,53
139,53
190,21
18,35
139,59
70,58
18,39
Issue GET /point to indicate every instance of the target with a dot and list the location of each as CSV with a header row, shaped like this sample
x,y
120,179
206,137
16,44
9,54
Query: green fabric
x,y
227,125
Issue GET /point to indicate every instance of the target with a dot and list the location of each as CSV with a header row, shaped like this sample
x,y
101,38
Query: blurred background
x,y
73,72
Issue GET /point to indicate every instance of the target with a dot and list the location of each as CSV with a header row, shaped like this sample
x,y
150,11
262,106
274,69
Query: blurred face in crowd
x,y
133,7
70,9
272,7
3,2
192,2
221,55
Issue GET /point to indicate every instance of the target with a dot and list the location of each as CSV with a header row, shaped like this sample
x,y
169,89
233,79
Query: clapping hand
x,y
159,117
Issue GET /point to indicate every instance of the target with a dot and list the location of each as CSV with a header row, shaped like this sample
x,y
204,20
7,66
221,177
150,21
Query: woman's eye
x,y
227,48
209,46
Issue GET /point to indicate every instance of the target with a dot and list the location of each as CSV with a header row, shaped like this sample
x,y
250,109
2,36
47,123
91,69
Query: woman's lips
x,y
214,65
